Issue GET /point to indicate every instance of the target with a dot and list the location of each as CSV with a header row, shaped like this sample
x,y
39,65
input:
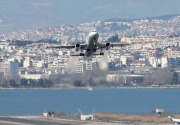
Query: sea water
x,y
116,100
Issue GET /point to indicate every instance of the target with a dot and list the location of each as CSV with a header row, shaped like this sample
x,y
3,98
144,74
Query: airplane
x,y
177,121
91,46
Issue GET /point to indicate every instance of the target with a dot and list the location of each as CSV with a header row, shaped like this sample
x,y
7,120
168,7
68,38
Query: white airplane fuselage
x,y
91,43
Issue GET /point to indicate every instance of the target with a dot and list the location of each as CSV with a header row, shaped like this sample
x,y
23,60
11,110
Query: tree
x,y
159,52
137,55
13,83
78,83
40,83
158,77
21,43
175,77
91,82
16,78
48,83
24,82
32,82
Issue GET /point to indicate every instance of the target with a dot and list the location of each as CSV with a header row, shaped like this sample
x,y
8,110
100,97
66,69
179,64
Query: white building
x,y
164,62
86,117
123,60
155,62
31,76
26,63
36,63
81,68
5,67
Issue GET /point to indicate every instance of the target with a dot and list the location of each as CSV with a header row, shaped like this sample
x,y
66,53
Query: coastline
x,y
91,88
99,119
134,116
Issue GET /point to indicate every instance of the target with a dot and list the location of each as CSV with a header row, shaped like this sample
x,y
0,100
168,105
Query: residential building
x,y
14,66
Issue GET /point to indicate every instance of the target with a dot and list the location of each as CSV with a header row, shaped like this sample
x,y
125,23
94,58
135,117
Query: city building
x,y
14,66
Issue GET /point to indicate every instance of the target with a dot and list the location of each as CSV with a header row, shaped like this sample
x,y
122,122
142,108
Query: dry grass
x,y
129,119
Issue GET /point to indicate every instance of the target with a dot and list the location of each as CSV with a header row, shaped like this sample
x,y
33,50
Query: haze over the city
x,y
20,15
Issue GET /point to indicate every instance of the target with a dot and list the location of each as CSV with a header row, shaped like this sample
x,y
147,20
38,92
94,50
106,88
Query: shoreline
x,y
100,119
91,88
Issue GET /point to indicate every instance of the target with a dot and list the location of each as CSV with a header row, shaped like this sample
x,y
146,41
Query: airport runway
x,y
14,120
38,120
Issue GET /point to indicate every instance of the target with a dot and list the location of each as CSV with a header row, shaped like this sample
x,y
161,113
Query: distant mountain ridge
x,y
164,17
19,15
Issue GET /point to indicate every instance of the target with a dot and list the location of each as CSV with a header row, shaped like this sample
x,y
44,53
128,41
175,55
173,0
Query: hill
x,y
20,15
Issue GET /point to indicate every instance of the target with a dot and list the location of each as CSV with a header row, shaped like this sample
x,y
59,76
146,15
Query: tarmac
x,y
38,120
99,119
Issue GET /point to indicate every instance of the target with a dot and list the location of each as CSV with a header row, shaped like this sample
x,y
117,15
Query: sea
x,y
87,101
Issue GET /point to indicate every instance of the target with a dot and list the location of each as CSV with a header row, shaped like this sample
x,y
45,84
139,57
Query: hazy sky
x,y
38,13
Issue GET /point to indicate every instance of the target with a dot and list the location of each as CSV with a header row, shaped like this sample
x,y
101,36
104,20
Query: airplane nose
x,y
95,37
95,33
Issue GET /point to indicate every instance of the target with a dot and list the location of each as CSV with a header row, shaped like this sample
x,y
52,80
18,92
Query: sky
x,y
26,14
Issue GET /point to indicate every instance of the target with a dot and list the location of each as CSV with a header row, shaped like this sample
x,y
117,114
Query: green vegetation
x,y
137,55
24,42
21,43
175,78
28,83
94,78
47,41
113,39
159,52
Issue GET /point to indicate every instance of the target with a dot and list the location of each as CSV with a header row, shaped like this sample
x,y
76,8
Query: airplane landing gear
x,y
81,54
101,53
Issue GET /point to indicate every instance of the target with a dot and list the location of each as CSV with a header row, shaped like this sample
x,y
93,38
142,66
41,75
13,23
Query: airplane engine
x,y
107,46
77,46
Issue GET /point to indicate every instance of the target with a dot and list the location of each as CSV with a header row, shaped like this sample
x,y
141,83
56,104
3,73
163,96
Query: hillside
x,y
27,14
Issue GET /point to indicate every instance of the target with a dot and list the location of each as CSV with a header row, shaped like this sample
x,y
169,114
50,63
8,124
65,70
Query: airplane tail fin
x,y
170,118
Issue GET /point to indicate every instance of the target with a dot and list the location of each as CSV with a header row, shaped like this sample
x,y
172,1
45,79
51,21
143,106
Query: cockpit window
x,y
93,31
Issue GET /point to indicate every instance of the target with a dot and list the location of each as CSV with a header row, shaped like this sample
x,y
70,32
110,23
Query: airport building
x,y
125,78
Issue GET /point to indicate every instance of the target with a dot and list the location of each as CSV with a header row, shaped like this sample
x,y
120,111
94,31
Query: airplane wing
x,y
107,45
119,44
79,46
60,47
